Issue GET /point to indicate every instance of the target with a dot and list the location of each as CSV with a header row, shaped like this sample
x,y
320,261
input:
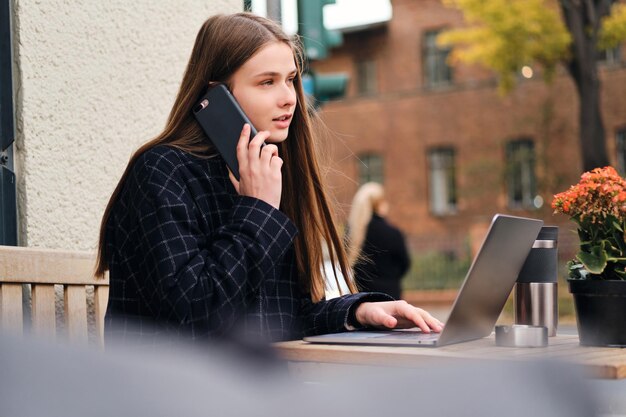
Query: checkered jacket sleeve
x,y
203,283
335,315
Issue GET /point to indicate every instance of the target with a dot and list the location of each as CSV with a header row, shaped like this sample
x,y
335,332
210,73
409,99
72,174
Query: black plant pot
x,y
600,312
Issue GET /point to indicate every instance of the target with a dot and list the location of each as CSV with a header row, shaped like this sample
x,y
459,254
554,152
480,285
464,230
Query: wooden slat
x,y
101,296
76,313
43,311
47,266
43,268
11,312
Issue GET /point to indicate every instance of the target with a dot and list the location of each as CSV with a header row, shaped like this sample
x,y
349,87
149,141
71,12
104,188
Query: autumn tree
x,y
505,35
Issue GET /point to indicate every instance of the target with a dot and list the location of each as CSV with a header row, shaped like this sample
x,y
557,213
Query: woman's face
x,y
264,87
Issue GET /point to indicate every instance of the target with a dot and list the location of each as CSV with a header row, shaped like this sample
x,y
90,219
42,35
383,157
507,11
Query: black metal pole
x,y
8,201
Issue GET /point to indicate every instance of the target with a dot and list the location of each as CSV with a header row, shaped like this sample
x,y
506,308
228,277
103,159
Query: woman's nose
x,y
288,96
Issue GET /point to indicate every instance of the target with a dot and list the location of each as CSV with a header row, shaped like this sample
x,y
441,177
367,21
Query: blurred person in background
x,y
193,252
377,250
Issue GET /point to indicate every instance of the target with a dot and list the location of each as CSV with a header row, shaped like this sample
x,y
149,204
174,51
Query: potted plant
x,y
597,275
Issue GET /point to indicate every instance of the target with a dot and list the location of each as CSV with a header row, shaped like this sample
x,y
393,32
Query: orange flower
x,y
599,193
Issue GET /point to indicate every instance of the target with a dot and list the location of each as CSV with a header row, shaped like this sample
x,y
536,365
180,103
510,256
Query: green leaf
x,y
576,270
617,226
595,261
505,35
613,30
619,238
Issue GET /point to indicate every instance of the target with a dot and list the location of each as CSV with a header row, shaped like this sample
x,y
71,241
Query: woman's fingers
x,y
398,314
382,318
375,315
418,319
276,164
271,160
249,150
267,152
242,148
425,321
254,148
259,168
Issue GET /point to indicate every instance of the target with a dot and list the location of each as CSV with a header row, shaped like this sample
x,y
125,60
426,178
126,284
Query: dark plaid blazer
x,y
189,256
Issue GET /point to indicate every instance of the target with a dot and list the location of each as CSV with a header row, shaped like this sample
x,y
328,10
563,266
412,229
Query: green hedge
x,y
436,270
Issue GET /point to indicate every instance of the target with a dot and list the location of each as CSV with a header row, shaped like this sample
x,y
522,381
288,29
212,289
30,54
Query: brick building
x,y
449,149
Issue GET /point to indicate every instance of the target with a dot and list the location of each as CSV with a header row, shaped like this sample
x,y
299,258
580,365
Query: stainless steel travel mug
x,y
536,295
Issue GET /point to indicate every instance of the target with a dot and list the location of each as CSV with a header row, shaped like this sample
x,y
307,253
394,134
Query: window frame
x,y
370,167
611,56
435,57
527,181
446,156
367,76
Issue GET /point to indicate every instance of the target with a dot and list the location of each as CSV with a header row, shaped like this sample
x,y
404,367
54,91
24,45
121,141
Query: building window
x,y
370,168
436,69
521,179
620,147
366,77
610,56
442,181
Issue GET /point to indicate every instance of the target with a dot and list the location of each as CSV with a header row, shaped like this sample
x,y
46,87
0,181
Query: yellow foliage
x,y
505,35
613,30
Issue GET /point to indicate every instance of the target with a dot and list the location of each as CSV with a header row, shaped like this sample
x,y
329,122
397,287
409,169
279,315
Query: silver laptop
x,y
481,298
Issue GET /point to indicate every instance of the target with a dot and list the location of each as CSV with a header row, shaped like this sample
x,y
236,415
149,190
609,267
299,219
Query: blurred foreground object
x,y
47,380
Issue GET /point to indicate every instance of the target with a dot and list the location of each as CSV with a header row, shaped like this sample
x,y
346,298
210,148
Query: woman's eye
x,y
290,80
267,82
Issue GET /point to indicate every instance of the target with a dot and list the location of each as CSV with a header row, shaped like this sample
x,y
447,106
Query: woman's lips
x,y
282,122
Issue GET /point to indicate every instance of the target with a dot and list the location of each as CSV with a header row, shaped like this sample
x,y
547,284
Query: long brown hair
x,y
223,45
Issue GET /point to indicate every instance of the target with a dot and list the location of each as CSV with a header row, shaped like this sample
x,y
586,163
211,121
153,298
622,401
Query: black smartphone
x,y
222,120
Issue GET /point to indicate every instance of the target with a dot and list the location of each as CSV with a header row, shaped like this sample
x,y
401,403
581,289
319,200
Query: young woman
x,y
377,251
192,251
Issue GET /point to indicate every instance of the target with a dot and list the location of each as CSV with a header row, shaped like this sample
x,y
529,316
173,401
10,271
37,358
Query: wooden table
x,y
606,363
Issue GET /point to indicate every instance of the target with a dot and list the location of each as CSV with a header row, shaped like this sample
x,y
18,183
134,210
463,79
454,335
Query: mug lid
x,y
548,233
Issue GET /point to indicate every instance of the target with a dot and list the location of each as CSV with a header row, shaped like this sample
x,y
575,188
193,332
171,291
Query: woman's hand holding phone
x,y
259,168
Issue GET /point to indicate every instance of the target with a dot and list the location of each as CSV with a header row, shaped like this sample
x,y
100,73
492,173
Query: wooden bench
x,y
43,269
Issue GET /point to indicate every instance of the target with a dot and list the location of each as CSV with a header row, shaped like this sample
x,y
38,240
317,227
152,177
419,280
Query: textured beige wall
x,y
94,80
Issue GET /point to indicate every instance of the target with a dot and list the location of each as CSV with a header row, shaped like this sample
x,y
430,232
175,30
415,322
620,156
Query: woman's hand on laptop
x,y
396,315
